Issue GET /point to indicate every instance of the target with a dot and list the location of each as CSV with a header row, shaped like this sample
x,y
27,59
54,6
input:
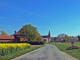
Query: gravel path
x,y
48,52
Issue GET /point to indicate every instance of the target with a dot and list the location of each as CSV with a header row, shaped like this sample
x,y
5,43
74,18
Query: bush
x,y
72,47
34,42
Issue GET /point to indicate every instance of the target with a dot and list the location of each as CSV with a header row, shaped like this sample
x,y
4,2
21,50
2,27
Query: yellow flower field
x,y
6,48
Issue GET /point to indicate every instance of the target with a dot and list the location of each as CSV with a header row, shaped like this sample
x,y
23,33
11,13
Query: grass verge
x,y
18,53
63,46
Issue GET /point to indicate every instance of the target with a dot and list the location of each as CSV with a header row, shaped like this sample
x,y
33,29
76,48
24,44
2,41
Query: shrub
x,y
72,47
34,42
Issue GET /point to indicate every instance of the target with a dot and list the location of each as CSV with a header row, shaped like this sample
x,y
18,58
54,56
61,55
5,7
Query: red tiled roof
x,y
6,37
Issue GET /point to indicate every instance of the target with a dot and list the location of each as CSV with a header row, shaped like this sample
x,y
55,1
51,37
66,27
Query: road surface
x,y
48,52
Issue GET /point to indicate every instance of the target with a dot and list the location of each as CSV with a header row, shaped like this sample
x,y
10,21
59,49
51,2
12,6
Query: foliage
x,y
12,47
3,33
67,37
39,37
65,40
34,42
28,31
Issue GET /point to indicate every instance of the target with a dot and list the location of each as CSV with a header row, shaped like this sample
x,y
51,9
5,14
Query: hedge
x,y
33,42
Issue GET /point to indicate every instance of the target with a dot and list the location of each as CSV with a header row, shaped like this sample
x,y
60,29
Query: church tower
x,y
49,35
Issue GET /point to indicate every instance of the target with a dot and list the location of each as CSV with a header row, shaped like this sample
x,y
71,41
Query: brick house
x,y
7,38
14,38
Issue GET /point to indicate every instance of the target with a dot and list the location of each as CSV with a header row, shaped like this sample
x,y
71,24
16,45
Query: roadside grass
x,y
18,53
64,45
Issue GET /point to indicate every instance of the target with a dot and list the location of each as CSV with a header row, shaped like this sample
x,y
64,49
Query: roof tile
x,y
6,37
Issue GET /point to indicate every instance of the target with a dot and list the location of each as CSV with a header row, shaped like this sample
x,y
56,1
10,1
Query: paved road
x,y
48,52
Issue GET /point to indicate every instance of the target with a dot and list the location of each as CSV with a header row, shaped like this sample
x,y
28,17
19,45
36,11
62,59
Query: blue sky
x,y
58,16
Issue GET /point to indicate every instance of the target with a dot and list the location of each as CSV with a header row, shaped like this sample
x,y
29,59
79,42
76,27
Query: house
x,y
55,38
72,40
59,39
76,38
18,37
13,38
7,38
52,39
47,38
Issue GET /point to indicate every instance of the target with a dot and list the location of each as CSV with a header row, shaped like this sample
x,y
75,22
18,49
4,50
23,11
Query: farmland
x,y
12,47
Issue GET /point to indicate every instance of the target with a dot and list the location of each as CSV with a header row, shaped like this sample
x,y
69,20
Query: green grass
x,y
64,45
18,53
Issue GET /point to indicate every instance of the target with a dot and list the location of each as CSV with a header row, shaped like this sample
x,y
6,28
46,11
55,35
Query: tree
x,y
28,31
3,33
39,37
65,40
68,37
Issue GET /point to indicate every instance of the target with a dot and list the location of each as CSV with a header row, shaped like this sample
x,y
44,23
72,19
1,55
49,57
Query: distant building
x,y
59,39
76,37
47,38
53,39
72,40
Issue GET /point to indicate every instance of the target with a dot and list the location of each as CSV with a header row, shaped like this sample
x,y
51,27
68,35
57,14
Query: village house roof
x,y
46,36
17,33
6,37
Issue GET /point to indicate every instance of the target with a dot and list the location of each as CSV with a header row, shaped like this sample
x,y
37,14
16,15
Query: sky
x,y
58,16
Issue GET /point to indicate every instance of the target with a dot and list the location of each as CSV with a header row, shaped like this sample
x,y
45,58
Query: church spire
x,y
49,35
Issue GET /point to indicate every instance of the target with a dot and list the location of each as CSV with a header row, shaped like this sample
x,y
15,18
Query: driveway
x,y
48,52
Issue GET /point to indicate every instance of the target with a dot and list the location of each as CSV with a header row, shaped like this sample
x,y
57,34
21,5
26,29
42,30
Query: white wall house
x,y
59,39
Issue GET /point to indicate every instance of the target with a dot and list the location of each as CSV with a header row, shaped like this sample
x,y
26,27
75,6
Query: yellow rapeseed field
x,y
5,47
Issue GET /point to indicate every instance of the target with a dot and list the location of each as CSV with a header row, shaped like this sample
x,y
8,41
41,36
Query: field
x,y
64,45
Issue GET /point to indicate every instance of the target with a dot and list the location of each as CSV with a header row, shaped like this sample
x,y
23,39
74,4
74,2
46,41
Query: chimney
x,y
15,31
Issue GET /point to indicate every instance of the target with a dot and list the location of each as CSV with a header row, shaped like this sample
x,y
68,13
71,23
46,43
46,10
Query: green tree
x,y
28,31
3,33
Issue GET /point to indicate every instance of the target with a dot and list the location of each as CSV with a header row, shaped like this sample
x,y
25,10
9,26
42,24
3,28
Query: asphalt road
x,y
48,52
